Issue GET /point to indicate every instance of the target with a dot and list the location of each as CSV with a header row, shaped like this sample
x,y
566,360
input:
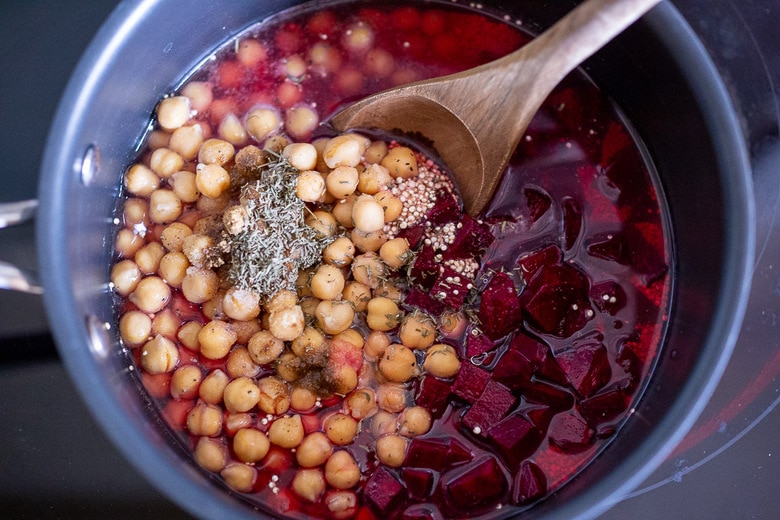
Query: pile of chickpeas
x,y
236,355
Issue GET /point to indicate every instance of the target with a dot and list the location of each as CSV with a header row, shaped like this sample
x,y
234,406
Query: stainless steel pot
x,y
659,74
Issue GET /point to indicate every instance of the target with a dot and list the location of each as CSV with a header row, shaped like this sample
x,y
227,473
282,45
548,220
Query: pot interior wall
x,y
655,76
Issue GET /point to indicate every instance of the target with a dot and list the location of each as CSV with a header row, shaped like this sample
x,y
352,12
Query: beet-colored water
x,y
568,305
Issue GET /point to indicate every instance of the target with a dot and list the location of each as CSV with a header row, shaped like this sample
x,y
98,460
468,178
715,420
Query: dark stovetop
x,y
56,463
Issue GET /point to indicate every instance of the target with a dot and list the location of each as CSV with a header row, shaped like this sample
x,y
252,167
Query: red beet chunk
x,y
572,222
382,489
413,235
433,395
537,201
530,484
515,439
446,290
608,297
609,247
499,310
645,244
419,482
587,368
513,370
570,433
604,406
479,344
548,394
477,484
472,239
532,262
556,300
425,268
445,209
495,402
437,453
470,382
422,299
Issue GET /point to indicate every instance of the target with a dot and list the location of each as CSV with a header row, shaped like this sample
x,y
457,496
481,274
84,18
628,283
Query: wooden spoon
x,y
476,118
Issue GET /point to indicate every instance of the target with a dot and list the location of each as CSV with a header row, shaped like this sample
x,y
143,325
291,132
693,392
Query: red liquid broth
x,y
577,183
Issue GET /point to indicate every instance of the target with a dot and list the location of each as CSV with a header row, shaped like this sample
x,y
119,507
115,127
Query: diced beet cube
x,y
569,432
419,482
537,201
533,350
604,406
547,394
513,370
445,209
556,300
532,262
632,366
447,290
495,402
472,238
609,247
382,489
608,297
437,453
587,367
499,310
422,299
515,439
479,344
477,484
646,248
413,235
470,381
433,395
572,222
530,484
425,269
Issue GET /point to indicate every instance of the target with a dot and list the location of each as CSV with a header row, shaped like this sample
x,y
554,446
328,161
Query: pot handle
x,y
12,277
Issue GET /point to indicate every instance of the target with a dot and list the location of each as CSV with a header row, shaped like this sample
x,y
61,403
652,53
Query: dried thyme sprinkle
x,y
275,242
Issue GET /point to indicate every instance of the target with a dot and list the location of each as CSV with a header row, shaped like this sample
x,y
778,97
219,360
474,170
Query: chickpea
x,y
128,242
342,150
173,112
216,338
173,268
148,257
343,379
342,505
210,205
212,388
369,269
236,421
414,421
186,141
264,347
287,324
441,360
301,120
246,329
250,445
383,423
151,294
341,470
391,450
391,397
284,299
342,211
302,156
374,179
274,395
379,62
400,162
167,323
251,53
165,162
231,130
210,454
287,367
199,285
286,432
342,181
324,59
135,327
334,316
261,122
157,139
398,364
241,304
376,344
367,215
386,289
185,382
211,179
327,282
418,330
310,343
188,335
375,152
383,314
212,309
309,484
361,403
323,222
351,336
199,93
241,395
135,212
358,294
215,151
125,276
302,399
309,306
368,242
205,419
339,253
239,363
358,38
311,186
141,180
184,184
395,253
159,355
239,476
164,206
341,429
314,450
173,236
